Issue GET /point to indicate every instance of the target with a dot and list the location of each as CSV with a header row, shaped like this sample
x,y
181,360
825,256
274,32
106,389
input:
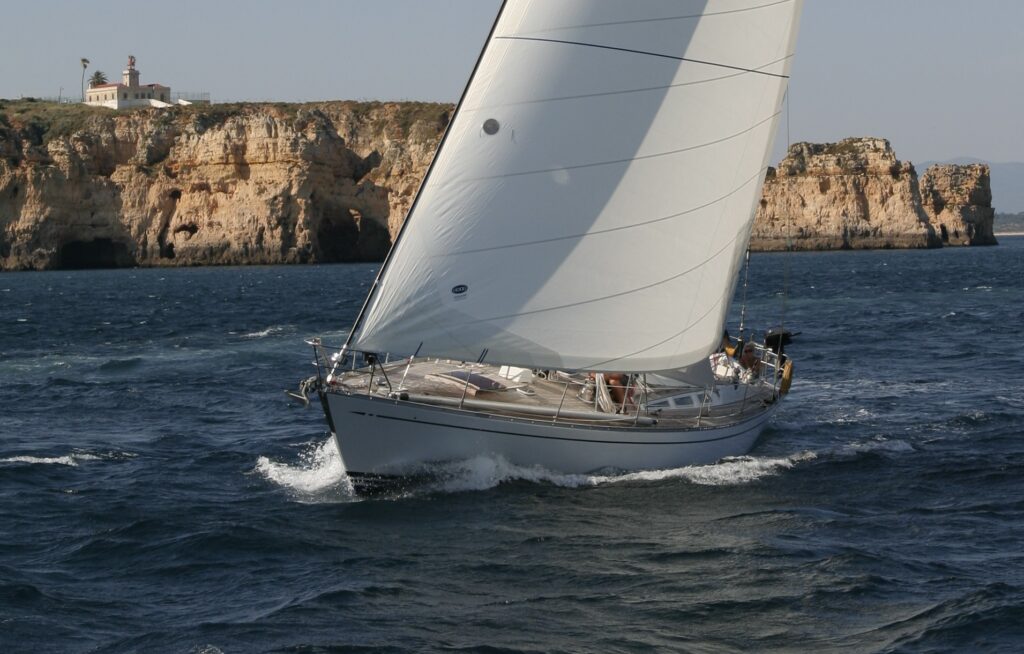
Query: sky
x,y
939,78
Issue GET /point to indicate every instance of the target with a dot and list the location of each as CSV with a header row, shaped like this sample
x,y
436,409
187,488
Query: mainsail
x,y
593,198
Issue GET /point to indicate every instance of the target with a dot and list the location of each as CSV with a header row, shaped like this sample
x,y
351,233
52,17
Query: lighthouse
x,y
129,92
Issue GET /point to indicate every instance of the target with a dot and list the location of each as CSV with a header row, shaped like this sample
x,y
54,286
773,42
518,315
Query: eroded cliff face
x,y
327,182
958,201
851,194
404,141
856,194
212,185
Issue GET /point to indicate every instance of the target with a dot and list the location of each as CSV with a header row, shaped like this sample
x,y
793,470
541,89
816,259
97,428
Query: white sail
x,y
593,198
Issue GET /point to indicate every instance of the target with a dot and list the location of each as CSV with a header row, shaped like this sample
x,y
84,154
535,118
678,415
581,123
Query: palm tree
x,y
97,78
85,64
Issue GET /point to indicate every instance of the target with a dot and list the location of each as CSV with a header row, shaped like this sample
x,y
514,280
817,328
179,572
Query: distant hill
x,y
1007,182
1009,223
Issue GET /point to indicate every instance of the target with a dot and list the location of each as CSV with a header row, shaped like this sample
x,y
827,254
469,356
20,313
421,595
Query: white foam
x,y
879,445
731,471
844,416
320,471
485,472
276,329
320,474
67,460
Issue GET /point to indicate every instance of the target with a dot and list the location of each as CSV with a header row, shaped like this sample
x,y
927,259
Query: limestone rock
x,y
848,195
227,184
958,201
333,181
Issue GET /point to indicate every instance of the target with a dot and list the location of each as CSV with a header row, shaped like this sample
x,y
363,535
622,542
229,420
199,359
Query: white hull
x,y
379,436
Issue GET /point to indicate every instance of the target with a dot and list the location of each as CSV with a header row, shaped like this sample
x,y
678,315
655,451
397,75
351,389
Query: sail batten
x,y
706,14
645,89
591,202
633,225
605,298
645,53
639,157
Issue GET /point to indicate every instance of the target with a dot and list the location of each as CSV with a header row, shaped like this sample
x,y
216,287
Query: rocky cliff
x,y
855,194
227,184
958,202
331,182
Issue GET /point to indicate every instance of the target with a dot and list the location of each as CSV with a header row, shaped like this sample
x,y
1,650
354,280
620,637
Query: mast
x,y
423,182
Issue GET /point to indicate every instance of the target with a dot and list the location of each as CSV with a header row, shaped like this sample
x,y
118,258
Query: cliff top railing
x,y
202,97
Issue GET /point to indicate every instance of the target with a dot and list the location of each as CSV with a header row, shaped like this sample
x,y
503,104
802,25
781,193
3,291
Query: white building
x,y
128,93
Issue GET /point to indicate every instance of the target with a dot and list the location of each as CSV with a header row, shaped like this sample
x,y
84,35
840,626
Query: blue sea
x,y
159,493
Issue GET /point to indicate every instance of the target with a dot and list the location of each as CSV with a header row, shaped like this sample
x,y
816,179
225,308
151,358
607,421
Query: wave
x,y
986,618
71,460
21,593
848,416
877,446
67,460
263,333
730,471
1015,402
319,475
114,365
486,472
64,382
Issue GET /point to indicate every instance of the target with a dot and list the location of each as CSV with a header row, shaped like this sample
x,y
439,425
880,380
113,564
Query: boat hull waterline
x,y
392,438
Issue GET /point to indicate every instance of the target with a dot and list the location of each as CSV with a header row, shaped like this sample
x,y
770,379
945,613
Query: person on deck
x,y
749,358
726,345
618,383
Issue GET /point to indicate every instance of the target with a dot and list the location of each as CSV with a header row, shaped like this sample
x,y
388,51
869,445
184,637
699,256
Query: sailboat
x,y
557,294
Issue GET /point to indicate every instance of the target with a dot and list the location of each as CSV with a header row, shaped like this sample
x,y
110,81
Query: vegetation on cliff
x,y
332,181
208,184
856,194
38,122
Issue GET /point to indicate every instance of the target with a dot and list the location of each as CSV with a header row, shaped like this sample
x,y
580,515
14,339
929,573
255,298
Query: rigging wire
x,y
787,260
743,304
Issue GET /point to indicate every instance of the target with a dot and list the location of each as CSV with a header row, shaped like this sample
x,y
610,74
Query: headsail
x,y
594,196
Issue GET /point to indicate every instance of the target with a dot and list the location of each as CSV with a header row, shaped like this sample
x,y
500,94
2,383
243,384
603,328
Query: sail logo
x,y
459,291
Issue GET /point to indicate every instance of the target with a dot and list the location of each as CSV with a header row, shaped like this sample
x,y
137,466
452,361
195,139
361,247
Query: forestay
x,y
593,198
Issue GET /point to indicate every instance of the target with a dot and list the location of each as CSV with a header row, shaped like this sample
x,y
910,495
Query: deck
x,y
554,395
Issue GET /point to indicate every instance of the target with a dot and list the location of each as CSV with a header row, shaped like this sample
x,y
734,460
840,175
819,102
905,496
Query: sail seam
x,y
646,89
630,159
614,295
707,313
665,18
647,53
612,229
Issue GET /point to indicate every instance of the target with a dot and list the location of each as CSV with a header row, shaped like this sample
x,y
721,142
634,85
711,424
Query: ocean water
x,y
158,493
